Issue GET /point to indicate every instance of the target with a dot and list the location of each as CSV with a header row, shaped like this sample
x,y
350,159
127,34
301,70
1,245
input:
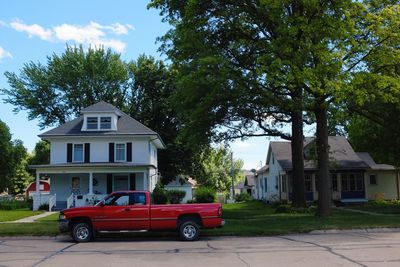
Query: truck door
x,y
115,214
139,210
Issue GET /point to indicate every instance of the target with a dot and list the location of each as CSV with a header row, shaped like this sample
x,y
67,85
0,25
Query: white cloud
x,y
32,30
4,53
92,34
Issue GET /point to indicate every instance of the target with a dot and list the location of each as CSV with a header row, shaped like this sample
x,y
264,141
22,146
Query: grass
x,y
256,218
383,209
12,215
246,219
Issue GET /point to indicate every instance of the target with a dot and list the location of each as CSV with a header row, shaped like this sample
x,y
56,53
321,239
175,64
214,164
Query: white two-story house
x,y
102,151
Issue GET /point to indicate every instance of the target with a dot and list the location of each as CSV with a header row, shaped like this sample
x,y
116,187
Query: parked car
x,y
133,211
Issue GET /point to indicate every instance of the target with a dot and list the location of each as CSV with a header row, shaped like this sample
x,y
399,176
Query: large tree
x,y
57,91
6,149
240,53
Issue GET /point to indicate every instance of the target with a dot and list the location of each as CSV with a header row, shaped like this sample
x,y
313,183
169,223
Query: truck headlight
x,y
62,217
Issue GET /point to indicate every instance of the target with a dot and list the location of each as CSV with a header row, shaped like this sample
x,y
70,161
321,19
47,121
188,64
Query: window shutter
x,y
109,183
111,152
87,152
69,152
129,152
132,181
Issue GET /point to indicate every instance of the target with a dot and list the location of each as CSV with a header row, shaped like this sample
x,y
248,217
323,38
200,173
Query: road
x,y
349,248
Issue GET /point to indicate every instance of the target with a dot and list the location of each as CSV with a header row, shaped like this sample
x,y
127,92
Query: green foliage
x,y
44,207
175,196
14,205
243,197
215,169
13,163
205,195
41,153
159,194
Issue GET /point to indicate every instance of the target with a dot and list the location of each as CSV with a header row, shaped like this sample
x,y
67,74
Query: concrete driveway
x,y
349,248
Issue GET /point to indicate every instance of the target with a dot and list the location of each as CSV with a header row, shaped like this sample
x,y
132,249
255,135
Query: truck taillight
x,y
219,211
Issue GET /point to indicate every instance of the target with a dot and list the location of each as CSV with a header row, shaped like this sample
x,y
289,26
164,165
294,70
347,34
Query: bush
x,y
44,207
175,196
160,194
243,197
14,204
205,195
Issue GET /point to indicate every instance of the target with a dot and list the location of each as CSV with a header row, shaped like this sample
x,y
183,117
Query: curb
x,y
358,231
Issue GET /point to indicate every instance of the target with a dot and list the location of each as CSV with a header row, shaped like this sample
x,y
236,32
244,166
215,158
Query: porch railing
x,y
52,201
70,200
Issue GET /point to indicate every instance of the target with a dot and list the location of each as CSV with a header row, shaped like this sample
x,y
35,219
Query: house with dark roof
x,y
354,176
101,151
246,185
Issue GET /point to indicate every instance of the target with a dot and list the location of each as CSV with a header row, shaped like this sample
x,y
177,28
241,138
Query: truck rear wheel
x,y
82,232
189,231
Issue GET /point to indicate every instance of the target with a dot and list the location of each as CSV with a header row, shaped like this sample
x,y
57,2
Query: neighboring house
x,y
355,176
184,185
247,185
44,188
102,151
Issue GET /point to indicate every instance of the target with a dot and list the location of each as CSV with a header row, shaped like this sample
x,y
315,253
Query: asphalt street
x,y
348,248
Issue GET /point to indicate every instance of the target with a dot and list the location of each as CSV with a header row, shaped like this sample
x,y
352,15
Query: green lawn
x,y
12,215
256,218
252,218
384,209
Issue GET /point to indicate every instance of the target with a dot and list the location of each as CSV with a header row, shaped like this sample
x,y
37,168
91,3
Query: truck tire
x,y
82,232
189,231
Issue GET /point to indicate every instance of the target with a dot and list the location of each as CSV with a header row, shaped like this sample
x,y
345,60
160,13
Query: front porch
x,y
76,186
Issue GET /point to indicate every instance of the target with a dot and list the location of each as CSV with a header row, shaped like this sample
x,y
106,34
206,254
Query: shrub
x,y
243,197
175,196
159,194
205,195
44,207
14,204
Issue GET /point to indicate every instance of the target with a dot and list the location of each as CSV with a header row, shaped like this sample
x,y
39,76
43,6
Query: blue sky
x,y
32,30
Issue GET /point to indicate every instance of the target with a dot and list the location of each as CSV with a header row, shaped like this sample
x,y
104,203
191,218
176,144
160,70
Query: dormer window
x,y
105,123
92,123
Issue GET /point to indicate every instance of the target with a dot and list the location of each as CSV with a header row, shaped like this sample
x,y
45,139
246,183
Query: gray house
x,y
355,176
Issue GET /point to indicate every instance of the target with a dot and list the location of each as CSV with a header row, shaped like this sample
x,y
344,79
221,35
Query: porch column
x,y
91,183
37,182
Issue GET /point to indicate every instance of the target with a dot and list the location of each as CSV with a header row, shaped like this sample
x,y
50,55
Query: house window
x,y
120,152
334,182
352,182
91,123
284,185
265,185
308,182
105,123
372,179
78,153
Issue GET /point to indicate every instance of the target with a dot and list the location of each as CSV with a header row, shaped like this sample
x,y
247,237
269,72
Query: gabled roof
x,y
126,125
366,157
341,154
101,106
263,169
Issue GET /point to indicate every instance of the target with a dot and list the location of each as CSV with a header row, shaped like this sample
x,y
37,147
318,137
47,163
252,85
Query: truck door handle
x,y
127,209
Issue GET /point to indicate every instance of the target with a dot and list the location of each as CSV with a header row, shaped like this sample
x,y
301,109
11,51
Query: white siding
x,y
141,150
273,179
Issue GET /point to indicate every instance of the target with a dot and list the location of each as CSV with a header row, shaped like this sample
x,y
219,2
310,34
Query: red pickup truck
x,y
133,211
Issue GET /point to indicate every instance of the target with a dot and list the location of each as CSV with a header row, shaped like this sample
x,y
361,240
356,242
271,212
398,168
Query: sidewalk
x,y
32,219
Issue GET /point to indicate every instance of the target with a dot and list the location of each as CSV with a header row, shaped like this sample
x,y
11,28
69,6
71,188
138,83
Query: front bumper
x,y
63,225
222,224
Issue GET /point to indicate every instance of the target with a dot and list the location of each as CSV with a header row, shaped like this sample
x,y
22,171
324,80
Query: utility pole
x,y
232,177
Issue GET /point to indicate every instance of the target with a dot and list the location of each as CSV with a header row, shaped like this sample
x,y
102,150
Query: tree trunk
x,y
324,181
298,189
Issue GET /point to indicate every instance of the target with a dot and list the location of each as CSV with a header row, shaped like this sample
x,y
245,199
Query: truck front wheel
x,y
82,232
189,231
